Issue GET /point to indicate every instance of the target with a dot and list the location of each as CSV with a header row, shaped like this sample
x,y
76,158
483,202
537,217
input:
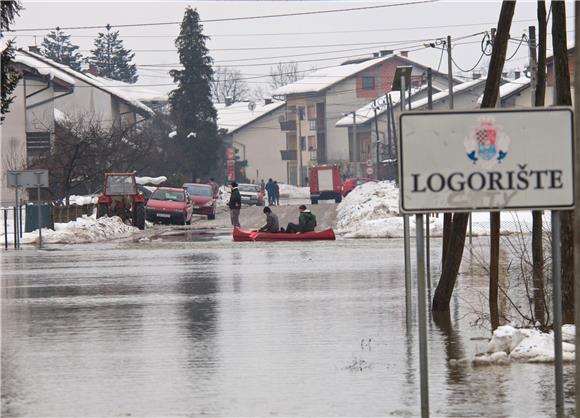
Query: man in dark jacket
x,y
306,222
276,193
270,190
235,204
271,224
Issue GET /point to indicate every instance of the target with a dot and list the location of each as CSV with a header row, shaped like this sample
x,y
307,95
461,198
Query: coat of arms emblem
x,y
486,143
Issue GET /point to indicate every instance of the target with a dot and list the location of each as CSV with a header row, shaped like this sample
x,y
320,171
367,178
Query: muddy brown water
x,y
193,327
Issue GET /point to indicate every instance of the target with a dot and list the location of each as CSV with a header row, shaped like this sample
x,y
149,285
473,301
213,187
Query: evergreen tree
x,y
9,78
58,47
192,109
112,59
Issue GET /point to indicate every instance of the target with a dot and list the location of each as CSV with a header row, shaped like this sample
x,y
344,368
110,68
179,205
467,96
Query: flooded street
x,y
198,325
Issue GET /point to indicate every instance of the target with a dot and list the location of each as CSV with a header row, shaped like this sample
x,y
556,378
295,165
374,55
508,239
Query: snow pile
x,y
371,210
150,180
294,192
82,200
525,345
83,230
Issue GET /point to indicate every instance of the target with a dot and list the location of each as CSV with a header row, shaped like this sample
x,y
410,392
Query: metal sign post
x,y
422,312
487,160
27,179
557,307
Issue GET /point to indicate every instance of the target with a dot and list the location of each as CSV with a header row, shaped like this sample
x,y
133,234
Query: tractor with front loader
x,y
121,198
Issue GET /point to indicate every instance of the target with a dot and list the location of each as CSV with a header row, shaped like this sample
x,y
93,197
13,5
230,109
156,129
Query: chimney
x,y
376,55
385,52
228,101
517,74
476,76
404,53
268,101
34,49
92,69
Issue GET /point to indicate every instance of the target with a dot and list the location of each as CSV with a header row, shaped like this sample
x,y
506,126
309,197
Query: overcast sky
x,y
399,28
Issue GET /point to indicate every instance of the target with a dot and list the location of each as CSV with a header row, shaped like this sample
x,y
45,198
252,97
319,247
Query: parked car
x,y
350,184
204,202
169,205
252,194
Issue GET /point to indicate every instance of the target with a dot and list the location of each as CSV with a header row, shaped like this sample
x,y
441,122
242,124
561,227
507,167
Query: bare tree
x,y
84,150
229,83
284,73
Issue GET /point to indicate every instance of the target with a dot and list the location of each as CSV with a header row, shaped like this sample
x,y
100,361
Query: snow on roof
x,y
135,91
326,77
41,67
59,115
48,64
366,113
509,88
418,104
238,115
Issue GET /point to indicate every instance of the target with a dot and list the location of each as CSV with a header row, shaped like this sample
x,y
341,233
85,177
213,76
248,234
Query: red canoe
x,y
247,235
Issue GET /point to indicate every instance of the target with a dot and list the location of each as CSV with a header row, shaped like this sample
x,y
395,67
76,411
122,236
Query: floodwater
x,y
205,326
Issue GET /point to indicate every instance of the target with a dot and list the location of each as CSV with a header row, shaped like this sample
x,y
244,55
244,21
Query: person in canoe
x,y
306,222
272,224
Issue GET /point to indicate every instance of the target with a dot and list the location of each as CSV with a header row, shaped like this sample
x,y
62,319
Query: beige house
x,y
317,102
254,130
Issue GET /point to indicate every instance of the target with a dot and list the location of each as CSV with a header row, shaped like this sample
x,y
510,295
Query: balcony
x,y
287,125
289,155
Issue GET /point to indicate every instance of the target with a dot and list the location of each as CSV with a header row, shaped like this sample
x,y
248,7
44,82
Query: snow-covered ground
x,y
372,211
294,192
82,200
523,345
83,230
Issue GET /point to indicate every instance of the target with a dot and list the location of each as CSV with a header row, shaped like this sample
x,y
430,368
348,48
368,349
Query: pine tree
x,y
9,78
112,59
58,47
191,102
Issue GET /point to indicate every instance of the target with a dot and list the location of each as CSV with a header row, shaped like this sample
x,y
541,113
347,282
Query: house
x,y
253,129
28,127
317,102
49,92
465,96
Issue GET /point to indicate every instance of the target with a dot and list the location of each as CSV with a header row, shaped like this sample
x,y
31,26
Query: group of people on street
x,y
306,219
273,190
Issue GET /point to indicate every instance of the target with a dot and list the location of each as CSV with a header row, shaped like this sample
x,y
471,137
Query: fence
x,y
7,225
64,214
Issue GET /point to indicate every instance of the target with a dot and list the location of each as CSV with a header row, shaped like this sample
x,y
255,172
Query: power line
x,y
230,19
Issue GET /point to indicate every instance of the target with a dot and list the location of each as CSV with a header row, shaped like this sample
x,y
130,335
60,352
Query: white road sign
x,y
486,160
27,178
369,163
370,170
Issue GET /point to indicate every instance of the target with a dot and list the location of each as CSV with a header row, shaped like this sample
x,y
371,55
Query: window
x,y
311,142
37,141
368,83
311,112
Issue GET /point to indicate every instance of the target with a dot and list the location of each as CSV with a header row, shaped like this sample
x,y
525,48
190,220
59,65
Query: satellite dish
x,y
251,106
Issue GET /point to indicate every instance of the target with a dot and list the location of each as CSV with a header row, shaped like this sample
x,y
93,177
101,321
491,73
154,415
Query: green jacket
x,y
306,221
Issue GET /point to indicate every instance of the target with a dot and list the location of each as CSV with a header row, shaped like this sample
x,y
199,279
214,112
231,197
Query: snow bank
x,y
294,192
83,230
371,210
526,346
150,180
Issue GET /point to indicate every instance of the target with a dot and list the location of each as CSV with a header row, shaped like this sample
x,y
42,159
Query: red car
x,y
169,205
350,184
204,202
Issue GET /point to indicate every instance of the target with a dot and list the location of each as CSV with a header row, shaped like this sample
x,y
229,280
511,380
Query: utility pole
x,y
378,143
355,145
444,290
577,196
299,144
447,217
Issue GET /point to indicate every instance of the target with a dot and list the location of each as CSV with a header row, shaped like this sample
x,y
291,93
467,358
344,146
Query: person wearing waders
x,y
235,204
